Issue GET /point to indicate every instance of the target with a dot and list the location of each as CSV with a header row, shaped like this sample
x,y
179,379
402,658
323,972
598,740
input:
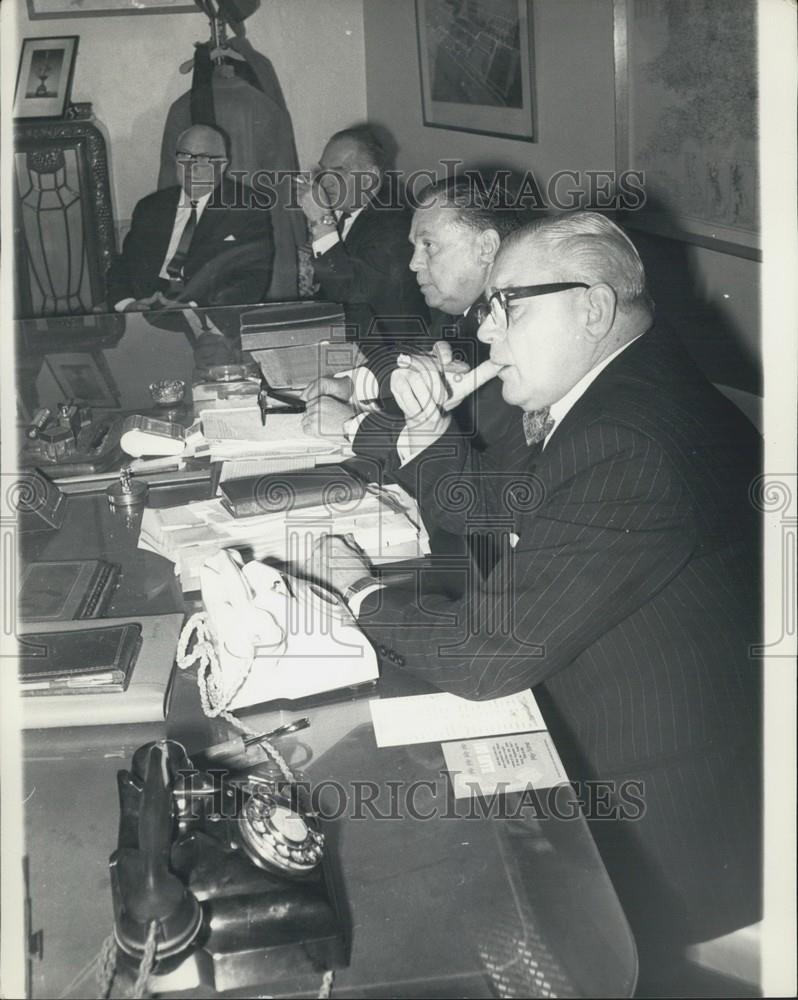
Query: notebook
x,y
146,697
92,660
65,589
333,486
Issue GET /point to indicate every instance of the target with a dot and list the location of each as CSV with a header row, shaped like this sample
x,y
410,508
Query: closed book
x,y
145,699
332,486
291,324
72,661
66,589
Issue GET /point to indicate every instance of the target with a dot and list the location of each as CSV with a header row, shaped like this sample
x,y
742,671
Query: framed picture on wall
x,y
84,376
94,8
44,79
686,119
477,66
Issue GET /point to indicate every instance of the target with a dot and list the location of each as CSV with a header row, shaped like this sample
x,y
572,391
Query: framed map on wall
x,y
686,100
476,64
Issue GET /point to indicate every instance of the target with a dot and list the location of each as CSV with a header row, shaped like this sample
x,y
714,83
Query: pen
x,y
239,744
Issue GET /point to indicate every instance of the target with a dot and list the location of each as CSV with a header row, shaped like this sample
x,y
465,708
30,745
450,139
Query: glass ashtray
x,y
228,373
168,391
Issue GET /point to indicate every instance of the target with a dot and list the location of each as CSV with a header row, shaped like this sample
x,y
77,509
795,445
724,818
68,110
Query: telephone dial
x,y
229,870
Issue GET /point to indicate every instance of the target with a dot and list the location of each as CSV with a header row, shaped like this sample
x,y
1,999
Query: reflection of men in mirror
x,y
203,240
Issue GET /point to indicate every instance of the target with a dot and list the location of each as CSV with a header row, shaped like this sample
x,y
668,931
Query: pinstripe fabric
x,y
629,603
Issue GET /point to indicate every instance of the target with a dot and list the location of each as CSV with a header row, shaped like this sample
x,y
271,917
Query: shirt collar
x,y
183,202
352,215
559,409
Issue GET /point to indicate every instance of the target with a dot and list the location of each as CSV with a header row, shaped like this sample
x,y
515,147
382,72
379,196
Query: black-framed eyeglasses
x,y
186,157
496,306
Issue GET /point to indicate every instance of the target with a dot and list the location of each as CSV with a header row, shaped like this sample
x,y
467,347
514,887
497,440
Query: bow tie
x,y
537,425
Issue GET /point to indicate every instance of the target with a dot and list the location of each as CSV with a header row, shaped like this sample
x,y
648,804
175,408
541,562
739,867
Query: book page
x,y
503,764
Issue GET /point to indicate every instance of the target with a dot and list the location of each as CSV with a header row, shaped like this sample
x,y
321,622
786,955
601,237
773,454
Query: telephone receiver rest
x,y
144,888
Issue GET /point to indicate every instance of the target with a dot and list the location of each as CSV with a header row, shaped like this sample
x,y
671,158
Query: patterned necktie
x,y
175,266
537,425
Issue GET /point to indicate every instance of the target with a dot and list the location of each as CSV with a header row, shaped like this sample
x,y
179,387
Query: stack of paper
x,y
237,432
385,524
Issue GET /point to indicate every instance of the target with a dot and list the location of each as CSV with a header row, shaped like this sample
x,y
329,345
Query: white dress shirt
x,y
328,240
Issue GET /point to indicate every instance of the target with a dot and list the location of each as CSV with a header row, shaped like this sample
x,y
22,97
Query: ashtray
x,y
228,373
168,391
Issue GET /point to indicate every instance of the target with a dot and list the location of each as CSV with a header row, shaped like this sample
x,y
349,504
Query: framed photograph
x,y
695,142
94,8
85,378
44,80
477,66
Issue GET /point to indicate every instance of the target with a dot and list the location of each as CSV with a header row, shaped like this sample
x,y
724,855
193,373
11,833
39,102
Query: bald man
x,y
204,240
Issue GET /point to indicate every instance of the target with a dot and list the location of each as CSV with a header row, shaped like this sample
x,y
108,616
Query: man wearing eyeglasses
x,y
627,596
204,240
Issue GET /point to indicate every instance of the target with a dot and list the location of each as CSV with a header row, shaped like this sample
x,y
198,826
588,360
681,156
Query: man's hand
x,y
337,562
324,417
141,305
312,199
155,301
421,390
337,388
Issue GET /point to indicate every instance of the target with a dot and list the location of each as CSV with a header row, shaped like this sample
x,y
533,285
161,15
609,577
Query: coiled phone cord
x,y
210,681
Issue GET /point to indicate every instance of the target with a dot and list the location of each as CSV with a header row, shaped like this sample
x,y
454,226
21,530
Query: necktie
x,y
537,424
339,225
175,266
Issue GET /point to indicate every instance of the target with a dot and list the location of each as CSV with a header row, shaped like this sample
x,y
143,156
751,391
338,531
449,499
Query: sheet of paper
x,y
432,718
503,764
239,427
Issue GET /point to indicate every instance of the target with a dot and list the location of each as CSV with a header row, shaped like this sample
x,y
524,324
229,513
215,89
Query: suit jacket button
x,y
400,660
392,656
382,650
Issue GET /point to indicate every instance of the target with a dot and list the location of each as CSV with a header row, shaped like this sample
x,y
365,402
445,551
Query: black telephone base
x,y
259,926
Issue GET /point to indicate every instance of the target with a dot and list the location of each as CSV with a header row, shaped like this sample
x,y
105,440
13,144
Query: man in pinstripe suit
x,y
628,592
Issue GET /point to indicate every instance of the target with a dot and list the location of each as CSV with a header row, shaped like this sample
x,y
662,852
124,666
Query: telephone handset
x,y
206,864
274,636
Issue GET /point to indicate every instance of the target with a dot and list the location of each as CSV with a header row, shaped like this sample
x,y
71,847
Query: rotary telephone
x,y
219,881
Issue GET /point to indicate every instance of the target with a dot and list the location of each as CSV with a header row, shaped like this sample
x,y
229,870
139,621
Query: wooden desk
x,y
448,906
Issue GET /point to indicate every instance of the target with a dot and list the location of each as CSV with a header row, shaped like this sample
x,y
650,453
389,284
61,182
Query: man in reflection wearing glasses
x,y
627,595
204,240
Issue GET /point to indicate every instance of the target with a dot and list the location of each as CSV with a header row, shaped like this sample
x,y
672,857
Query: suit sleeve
x,y
249,273
120,276
609,537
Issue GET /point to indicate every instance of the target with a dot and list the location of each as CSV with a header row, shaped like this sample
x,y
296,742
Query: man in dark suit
x,y
359,234
455,234
203,240
627,592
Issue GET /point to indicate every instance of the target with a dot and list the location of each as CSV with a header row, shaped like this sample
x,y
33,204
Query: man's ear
x,y
602,305
489,241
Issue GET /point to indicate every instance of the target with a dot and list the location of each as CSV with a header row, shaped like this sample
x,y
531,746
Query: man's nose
x,y
488,332
415,260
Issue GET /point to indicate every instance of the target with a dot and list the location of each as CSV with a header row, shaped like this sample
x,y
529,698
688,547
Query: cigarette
x,y
464,384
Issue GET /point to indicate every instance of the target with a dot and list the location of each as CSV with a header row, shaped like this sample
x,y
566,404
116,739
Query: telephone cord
x,y
106,964
213,697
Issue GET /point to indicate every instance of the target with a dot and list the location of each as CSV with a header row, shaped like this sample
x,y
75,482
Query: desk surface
x,y
109,360
447,906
